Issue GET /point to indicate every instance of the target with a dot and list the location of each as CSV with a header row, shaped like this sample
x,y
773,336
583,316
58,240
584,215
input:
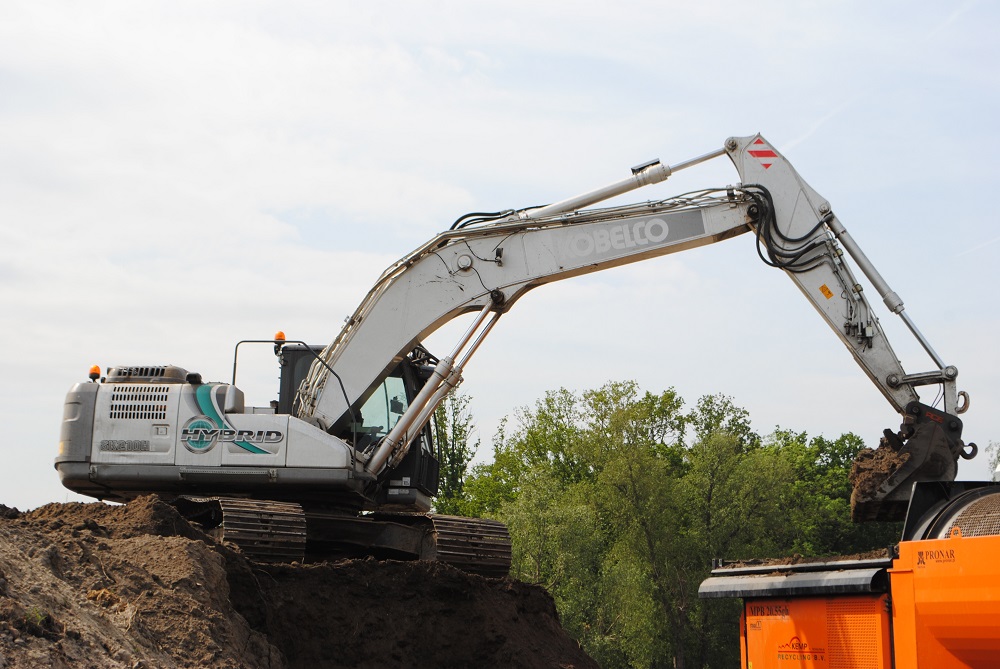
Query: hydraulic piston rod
x,y
397,436
450,382
888,295
651,173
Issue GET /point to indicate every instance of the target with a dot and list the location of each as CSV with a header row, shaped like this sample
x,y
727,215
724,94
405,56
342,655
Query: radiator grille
x,y
139,402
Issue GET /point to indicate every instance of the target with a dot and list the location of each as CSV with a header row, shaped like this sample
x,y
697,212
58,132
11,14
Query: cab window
x,y
382,411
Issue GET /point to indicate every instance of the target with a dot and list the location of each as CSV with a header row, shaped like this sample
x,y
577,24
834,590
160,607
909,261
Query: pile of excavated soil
x,y
97,586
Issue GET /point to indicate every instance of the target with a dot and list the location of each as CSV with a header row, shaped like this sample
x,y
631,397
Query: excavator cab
x,y
412,483
372,417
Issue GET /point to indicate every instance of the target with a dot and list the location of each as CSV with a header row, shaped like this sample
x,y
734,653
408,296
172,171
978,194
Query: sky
x,y
178,176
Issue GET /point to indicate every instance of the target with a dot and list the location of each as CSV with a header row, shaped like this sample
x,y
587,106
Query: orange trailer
x,y
934,604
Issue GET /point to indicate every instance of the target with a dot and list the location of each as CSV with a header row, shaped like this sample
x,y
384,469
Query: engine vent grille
x,y
147,373
139,402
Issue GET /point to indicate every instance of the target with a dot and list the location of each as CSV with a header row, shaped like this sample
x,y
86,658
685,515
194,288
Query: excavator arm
x,y
806,239
485,263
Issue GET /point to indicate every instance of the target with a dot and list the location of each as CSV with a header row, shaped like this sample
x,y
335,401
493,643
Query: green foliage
x,y
993,450
617,500
452,433
717,413
493,486
821,519
35,616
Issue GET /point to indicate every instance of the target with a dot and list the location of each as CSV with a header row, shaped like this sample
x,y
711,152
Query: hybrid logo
x,y
200,435
619,237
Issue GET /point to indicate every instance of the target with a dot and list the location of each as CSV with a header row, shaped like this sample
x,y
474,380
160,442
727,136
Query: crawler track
x,y
271,531
476,545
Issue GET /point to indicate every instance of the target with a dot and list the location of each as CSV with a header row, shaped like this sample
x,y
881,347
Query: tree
x,y
617,500
544,439
606,505
994,453
821,520
453,429
718,413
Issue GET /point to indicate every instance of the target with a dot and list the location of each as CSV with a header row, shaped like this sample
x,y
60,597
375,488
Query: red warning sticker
x,y
762,152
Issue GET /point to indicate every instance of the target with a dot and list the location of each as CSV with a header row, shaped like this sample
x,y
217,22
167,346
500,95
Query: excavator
x,y
343,462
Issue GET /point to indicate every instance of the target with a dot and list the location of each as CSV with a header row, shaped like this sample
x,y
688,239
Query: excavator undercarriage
x,y
273,531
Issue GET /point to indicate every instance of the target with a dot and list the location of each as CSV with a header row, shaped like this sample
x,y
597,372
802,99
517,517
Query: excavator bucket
x,y
926,448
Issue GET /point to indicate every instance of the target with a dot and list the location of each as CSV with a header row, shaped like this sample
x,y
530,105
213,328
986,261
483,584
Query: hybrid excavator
x,y
343,462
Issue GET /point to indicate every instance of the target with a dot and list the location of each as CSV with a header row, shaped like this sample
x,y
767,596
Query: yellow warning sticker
x,y
827,293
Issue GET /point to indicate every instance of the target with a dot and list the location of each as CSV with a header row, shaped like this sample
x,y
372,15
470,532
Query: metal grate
x,y
979,519
853,633
141,372
139,402
147,373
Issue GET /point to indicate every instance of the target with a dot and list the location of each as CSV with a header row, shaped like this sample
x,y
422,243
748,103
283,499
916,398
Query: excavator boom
x,y
487,263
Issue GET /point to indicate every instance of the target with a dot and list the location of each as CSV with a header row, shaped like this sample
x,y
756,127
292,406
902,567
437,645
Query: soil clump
x,y
870,469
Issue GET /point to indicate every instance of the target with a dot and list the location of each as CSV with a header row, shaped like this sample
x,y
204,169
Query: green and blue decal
x,y
201,433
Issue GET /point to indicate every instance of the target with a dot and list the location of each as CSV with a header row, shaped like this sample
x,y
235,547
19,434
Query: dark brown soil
x,y
99,586
879,554
872,467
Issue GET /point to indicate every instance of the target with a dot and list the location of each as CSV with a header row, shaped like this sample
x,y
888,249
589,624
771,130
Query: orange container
x,y
816,632
946,603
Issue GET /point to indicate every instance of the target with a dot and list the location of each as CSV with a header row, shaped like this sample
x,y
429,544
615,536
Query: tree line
x,y
617,501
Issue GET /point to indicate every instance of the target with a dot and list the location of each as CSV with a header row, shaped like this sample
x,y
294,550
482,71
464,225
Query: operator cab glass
x,y
381,411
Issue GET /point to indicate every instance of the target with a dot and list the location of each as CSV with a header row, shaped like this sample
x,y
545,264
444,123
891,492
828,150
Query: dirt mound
x,y
99,586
